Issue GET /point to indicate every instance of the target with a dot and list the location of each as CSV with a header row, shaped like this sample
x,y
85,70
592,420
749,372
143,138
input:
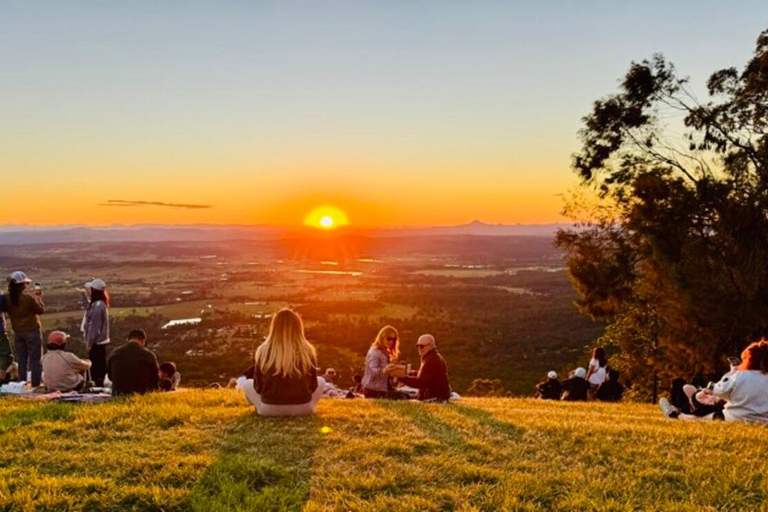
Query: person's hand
x,y
707,392
395,370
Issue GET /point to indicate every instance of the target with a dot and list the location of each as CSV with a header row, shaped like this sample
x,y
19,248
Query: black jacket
x,y
549,390
432,380
279,390
575,389
132,369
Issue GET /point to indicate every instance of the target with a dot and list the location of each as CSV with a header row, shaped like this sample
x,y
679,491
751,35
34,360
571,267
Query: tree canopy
x,y
673,251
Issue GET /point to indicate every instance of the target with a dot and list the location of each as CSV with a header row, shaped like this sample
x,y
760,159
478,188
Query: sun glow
x,y
326,217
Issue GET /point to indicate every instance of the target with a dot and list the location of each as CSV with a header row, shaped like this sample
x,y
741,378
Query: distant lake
x,y
352,273
183,321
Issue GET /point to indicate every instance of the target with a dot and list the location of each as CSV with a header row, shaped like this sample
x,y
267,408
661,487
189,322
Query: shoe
x,y
667,409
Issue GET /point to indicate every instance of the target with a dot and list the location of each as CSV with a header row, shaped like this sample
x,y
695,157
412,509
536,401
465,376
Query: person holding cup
x,y
432,379
384,349
23,310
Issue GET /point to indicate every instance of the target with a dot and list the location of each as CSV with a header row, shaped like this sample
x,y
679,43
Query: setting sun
x,y
326,217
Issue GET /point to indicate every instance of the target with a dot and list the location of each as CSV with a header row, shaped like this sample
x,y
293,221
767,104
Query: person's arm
x,y
724,387
80,364
154,371
313,379
97,318
376,364
38,307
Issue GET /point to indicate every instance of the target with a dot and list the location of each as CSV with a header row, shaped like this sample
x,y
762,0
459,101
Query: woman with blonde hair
x,y
385,349
285,381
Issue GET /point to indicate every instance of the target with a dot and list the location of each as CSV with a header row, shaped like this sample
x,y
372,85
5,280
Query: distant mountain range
x,y
20,234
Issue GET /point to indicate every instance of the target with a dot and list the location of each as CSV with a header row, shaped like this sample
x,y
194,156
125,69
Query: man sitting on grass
x,y
575,387
62,370
132,368
432,379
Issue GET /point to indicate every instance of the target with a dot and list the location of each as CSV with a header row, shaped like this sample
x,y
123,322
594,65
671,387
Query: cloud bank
x,y
122,202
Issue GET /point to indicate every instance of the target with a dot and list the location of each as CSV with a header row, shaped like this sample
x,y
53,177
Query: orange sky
x,y
398,113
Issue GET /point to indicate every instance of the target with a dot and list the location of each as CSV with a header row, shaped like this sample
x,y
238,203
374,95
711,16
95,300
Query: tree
x,y
672,249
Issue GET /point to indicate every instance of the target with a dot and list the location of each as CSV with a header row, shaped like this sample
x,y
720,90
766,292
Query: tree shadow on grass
x,y
486,418
263,464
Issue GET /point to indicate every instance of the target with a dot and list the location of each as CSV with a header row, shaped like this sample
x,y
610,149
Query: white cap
x,y
552,374
19,277
580,372
96,284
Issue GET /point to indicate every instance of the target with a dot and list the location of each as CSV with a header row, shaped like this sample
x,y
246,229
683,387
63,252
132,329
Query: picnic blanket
x,y
14,390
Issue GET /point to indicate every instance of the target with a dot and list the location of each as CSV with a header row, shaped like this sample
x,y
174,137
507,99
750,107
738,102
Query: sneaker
x,y
667,409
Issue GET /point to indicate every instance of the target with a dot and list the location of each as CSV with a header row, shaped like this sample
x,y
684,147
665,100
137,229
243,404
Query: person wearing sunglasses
x,y
432,379
385,348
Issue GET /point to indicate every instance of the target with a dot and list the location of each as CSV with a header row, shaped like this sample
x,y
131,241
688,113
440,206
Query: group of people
x,y
598,382
129,369
283,380
740,395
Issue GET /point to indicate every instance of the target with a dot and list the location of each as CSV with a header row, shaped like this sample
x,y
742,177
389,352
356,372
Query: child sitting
x,y
169,377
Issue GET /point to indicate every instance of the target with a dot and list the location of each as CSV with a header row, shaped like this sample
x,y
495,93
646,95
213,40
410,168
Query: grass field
x,y
205,450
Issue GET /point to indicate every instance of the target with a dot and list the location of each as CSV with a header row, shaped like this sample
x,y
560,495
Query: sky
x,y
397,112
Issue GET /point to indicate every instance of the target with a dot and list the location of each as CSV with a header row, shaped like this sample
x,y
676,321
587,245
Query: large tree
x,y
672,250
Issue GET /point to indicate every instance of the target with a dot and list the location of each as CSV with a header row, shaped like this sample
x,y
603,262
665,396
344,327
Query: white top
x,y
746,394
598,372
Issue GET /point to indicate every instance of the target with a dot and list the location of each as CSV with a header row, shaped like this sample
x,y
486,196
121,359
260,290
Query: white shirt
x,y
598,372
746,394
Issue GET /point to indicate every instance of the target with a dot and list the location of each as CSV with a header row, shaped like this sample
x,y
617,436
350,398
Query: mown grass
x,y
206,450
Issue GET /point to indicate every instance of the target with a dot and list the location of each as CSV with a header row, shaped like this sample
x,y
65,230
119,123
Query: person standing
x,y
384,349
23,310
432,379
6,354
133,368
96,328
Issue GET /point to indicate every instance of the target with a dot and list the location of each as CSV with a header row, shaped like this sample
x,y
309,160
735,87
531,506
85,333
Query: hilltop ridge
x,y
207,450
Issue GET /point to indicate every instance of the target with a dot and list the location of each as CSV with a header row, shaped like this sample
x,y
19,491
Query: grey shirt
x,y
97,324
375,378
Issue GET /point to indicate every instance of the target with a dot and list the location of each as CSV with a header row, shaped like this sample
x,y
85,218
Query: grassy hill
x,y
205,450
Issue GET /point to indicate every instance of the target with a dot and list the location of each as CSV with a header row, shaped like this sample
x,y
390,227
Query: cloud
x,y
121,202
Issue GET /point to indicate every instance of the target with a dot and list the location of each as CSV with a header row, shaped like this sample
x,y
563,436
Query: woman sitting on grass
x,y
744,390
285,379
385,349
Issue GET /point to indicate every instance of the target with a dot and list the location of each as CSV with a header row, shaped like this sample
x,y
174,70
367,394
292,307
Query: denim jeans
x,y
29,347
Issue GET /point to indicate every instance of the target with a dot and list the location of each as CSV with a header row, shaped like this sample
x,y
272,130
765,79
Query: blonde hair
x,y
380,342
286,352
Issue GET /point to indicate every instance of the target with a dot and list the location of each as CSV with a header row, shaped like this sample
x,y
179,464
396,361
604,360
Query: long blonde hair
x,y
286,352
381,342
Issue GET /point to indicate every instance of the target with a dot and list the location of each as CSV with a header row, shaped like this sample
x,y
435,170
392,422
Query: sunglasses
x,y
391,338
422,345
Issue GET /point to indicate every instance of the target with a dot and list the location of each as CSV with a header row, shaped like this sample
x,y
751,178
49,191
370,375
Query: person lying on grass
x,y
432,379
285,379
62,370
744,390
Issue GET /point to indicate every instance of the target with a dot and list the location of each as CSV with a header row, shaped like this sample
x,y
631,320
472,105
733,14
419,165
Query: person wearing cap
x,y
6,354
23,310
62,370
550,389
133,368
432,379
576,387
96,329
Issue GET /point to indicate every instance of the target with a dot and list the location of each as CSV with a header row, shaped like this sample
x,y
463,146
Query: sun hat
x,y
552,374
96,284
19,277
580,372
57,338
